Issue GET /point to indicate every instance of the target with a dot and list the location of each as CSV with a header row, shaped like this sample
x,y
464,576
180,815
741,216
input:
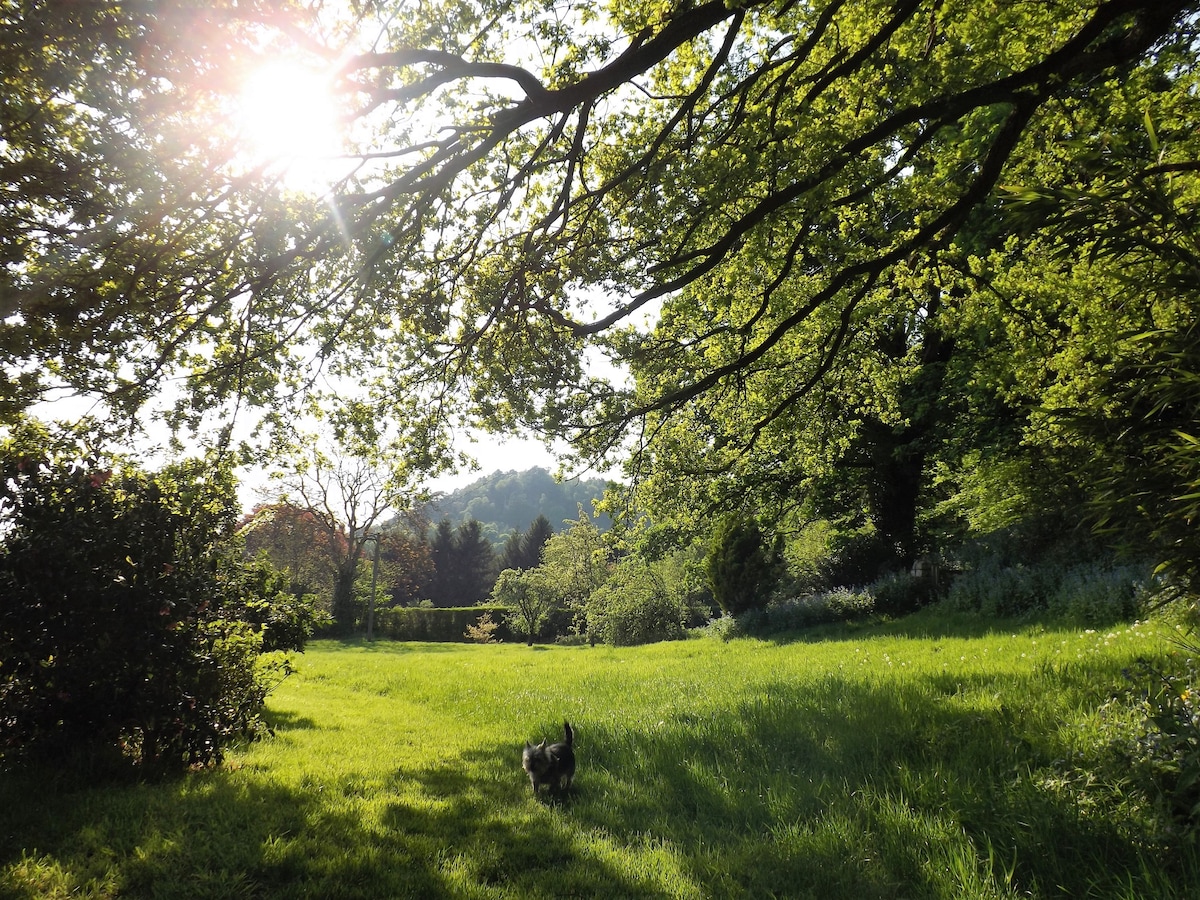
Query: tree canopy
x,y
529,182
783,224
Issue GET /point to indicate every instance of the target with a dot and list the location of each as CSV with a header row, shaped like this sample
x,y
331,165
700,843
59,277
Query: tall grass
x,y
911,760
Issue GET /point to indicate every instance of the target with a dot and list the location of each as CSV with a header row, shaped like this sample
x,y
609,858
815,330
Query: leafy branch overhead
x,y
685,189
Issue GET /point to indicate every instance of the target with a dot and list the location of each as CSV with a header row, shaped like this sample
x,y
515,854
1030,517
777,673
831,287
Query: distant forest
x,y
506,501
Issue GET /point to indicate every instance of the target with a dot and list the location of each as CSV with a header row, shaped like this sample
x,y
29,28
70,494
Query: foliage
x,y
285,620
786,613
575,563
903,593
483,631
682,573
524,551
131,227
528,598
1094,594
436,623
856,557
1166,751
347,478
741,569
130,623
407,566
800,192
504,502
1099,596
464,564
297,543
633,606
1131,422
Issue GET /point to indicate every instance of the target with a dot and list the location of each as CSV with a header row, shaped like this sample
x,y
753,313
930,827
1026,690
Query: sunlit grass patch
x,y
897,761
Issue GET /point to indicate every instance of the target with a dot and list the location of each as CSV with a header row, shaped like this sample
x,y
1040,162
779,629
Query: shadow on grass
x,y
471,827
209,835
285,720
838,788
857,790
479,806
932,623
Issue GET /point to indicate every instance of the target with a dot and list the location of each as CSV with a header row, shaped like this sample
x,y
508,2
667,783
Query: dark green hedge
x,y
417,623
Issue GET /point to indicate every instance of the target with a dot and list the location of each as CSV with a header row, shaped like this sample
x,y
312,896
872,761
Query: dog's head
x,y
535,760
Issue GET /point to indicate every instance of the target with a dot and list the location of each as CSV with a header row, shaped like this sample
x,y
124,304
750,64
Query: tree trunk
x,y
343,596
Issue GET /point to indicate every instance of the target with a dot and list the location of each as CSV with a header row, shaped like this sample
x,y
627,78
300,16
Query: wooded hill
x,y
506,501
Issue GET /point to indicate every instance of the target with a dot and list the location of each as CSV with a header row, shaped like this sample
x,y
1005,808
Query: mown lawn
x,y
920,759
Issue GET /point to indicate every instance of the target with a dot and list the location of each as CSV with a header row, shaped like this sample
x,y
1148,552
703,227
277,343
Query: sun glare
x,y
289,121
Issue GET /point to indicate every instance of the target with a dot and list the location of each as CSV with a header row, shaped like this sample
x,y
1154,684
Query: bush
x,y
633,607
1166,751
1093,593
1100,595
996,590
837,605
793,614
129,621
902,593
440,623
741,571
483,631
723,628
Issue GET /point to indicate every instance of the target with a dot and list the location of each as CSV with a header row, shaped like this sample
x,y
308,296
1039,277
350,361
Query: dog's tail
x,y
570,739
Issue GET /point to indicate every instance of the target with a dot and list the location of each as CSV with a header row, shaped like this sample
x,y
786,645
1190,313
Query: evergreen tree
x,y
540,531
741,571
464,564
442,552
474,564
524,551
513,555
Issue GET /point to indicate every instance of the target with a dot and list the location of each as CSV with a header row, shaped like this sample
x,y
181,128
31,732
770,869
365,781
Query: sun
x,y
288,121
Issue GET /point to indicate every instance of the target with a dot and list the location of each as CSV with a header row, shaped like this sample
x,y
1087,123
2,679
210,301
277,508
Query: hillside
x,y
504,501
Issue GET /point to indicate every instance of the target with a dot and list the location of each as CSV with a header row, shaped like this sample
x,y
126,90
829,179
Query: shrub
x,y
437,623
483,631
837,605
724,628
901,593
633,607
793,613
1166,751
1098,595
741,571
129,620
996,590
1090,593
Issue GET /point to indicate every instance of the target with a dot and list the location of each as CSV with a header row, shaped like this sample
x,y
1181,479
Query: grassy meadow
x,y
917,759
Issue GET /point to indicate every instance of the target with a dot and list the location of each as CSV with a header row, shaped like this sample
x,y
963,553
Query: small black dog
x,y
553,765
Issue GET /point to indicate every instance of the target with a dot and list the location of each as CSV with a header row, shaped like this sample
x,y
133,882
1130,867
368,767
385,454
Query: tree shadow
x,y
861,790
921,625
833,788
285,720
505,838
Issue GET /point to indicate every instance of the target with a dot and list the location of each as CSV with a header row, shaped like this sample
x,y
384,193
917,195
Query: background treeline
x,y
503,502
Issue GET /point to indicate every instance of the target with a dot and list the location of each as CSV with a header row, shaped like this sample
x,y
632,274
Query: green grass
x,y
911,760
